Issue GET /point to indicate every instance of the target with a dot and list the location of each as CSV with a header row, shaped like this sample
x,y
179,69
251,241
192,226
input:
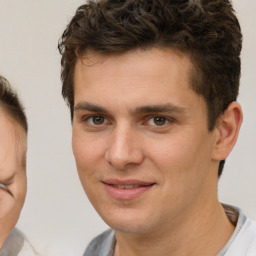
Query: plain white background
x,y
57,216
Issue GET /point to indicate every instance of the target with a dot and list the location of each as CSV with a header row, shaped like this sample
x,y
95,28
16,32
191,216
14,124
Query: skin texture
x,y
13,147
136,119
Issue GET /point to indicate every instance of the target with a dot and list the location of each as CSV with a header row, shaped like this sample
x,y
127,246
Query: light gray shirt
x,y
17,245
241,243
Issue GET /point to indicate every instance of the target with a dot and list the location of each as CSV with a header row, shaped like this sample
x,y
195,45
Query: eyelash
x,y
168,123
167,120
87,119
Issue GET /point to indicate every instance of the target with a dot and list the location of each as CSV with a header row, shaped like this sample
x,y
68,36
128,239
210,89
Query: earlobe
x,y
228,127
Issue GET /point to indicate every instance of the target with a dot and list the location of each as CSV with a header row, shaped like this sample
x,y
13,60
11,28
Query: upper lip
x,y
127,182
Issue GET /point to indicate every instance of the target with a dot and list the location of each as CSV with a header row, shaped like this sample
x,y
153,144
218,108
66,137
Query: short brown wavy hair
x,y
206,30
11,104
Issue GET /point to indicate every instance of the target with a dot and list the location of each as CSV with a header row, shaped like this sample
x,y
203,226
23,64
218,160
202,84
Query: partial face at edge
x,y
13,147
140,139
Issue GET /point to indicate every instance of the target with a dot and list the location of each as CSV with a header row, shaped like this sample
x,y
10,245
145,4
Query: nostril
x,y
124,161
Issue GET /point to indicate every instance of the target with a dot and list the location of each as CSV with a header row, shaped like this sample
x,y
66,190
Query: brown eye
x,y
98,120
159,121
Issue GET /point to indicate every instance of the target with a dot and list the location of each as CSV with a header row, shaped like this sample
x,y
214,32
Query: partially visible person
x,y
13,181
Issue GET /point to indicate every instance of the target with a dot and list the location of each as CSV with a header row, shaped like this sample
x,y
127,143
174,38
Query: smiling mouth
x,y
127,184
127,190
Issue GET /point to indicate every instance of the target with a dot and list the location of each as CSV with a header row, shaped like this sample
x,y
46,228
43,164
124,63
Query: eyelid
x,y
168,119
9,180
3,186
85,118
108,120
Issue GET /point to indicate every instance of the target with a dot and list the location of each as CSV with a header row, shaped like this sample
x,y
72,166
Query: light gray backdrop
x,y
57,216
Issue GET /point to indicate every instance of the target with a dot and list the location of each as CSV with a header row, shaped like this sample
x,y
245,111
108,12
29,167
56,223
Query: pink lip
x,y
126,193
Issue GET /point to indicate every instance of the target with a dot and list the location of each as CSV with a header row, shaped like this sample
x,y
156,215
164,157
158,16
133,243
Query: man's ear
x,y
227,129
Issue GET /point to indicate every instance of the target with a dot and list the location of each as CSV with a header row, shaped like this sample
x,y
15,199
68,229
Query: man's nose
x,y
124,149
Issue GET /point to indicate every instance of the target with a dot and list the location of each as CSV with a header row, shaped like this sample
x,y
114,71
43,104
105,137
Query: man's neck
x,y
195,235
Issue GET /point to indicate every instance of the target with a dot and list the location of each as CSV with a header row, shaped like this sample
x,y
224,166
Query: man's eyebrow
x,y
89,107
160,108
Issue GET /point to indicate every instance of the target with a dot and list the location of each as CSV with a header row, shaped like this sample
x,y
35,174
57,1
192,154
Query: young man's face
x,y
13,146
140,139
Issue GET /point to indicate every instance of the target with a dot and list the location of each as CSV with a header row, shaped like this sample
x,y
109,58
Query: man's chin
x,y
129,225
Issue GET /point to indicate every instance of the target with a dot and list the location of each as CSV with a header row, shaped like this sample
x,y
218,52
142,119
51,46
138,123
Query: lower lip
x,y
126,194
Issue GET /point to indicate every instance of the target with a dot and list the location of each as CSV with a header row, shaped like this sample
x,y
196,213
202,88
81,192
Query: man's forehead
x,y
161,76
132,66
92,58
